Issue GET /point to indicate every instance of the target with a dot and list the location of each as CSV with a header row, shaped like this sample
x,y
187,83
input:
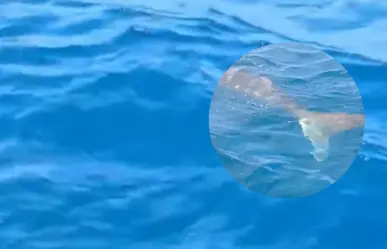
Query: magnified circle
x,y
286,120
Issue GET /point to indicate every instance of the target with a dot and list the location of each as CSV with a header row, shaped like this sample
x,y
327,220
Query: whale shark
x,y
317,127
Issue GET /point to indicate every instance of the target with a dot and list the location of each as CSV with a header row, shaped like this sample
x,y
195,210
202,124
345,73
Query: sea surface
x,y
104,138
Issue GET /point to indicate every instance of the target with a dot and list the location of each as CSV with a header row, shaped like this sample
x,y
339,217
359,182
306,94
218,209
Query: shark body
x,y
318,127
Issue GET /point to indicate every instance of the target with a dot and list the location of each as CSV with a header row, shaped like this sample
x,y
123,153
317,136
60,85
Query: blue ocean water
x,y
104,125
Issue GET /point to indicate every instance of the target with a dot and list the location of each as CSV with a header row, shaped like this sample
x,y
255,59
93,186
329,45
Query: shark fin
x,y
319,140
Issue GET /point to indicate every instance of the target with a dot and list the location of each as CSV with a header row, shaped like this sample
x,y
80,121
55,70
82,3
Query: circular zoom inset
x,y
286,120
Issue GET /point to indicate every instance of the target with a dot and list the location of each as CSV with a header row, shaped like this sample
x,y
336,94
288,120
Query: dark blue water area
x,y
104,138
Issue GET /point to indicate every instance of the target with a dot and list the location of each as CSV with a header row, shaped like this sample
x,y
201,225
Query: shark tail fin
x,y
318,127
316,136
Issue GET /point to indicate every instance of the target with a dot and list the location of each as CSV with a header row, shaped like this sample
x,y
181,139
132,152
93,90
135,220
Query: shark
x,y
317,127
